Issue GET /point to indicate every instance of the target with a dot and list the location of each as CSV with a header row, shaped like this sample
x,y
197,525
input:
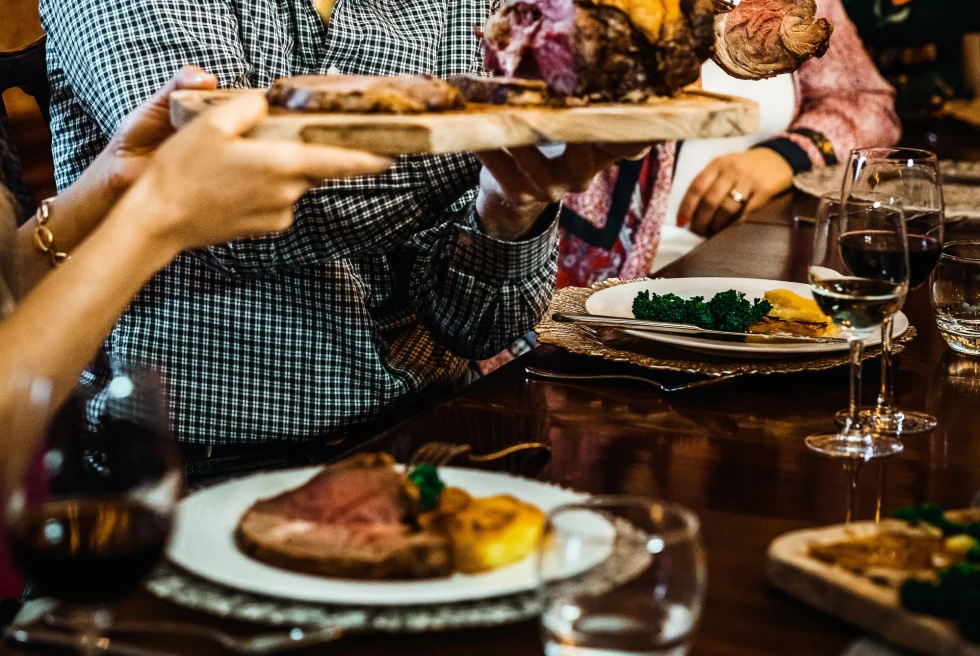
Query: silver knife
x,y
599,321
48,638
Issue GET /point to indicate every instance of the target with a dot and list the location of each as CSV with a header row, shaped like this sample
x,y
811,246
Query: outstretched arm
x,y
182,200
76,212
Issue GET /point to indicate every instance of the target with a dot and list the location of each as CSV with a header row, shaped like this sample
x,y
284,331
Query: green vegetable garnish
x,y
909,514
426,477
728,311
933,514
957,595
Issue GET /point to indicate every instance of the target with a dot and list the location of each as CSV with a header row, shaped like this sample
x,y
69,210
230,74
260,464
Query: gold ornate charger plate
x,y
616,346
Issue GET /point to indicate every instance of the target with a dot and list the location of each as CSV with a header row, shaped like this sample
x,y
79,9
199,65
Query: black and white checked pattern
x,y
384,286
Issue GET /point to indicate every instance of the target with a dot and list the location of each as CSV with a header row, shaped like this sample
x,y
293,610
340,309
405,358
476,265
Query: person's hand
x,y
207,185
711,202
144,129
516,185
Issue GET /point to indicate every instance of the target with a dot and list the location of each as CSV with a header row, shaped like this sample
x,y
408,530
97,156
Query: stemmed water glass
x,y
89,519
859,275
912,176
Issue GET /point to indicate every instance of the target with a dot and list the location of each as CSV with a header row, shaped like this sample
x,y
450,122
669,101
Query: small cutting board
x,y
689,115
854,598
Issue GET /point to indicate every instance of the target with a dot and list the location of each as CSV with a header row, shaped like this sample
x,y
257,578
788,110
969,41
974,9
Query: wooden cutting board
x,y
854,598
690,115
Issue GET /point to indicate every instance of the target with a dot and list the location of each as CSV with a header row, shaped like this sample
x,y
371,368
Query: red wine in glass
x,y
88,551
876,253
93,517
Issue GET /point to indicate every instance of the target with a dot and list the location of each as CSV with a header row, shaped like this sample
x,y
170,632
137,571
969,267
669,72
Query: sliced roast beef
x,y
355,519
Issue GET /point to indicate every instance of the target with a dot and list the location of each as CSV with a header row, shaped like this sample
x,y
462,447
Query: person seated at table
x,y
384,289
143,200
919,47
640,216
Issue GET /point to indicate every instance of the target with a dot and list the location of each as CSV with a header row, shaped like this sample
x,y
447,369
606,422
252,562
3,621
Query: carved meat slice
x,y
509,91
355,519
398,94
760,39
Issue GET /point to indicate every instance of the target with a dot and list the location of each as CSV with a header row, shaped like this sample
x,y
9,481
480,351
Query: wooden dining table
x,y
734,454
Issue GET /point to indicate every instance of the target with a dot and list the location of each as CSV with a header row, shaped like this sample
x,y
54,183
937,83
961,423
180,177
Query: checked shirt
x,y
384,287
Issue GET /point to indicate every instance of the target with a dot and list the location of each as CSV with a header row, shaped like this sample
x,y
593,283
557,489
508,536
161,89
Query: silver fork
x,y
443,453
680,387
258,645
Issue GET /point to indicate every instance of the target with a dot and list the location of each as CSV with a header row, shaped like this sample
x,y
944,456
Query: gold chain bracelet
x,y
43,237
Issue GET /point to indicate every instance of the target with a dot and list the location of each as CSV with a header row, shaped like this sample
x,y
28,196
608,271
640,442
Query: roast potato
x,y
485,533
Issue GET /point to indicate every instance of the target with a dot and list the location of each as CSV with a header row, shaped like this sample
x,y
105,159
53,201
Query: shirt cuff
x,y
478,252
793,153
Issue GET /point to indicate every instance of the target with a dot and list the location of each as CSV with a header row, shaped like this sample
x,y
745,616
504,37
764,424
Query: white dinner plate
x,y
618,302
962,198
203,543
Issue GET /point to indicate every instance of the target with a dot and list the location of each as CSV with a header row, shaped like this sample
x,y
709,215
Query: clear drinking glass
x,y
911,176
859,273
621,575
955,295
89,519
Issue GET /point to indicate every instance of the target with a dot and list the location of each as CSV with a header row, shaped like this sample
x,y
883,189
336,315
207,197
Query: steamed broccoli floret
x,y
698,313
654,307
426,477
728,311
732,312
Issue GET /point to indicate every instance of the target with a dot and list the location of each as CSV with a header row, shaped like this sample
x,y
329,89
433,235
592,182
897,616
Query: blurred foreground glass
x,y
89,519
621,575
859,273
911,176
955,296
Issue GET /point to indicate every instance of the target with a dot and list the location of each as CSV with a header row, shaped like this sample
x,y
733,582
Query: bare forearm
x,y
74,215
62,322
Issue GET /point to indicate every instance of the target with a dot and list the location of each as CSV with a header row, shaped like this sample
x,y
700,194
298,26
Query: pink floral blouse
x,y
613,228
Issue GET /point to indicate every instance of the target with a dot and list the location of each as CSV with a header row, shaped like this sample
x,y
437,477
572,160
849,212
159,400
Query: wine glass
x,y
859,274
912,176
620,575
89,519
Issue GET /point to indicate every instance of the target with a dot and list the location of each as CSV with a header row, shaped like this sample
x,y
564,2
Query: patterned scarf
x,y
613,229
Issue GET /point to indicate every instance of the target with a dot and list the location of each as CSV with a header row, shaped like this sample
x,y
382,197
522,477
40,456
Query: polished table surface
x,y
734,454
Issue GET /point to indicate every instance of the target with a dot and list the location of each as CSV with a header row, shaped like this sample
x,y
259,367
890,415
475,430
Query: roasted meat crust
x,y
595,50
509,91
623,49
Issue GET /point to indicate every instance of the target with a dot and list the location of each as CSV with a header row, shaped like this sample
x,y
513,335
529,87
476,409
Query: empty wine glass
x,y
89,519
620,575
859,274
913,177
